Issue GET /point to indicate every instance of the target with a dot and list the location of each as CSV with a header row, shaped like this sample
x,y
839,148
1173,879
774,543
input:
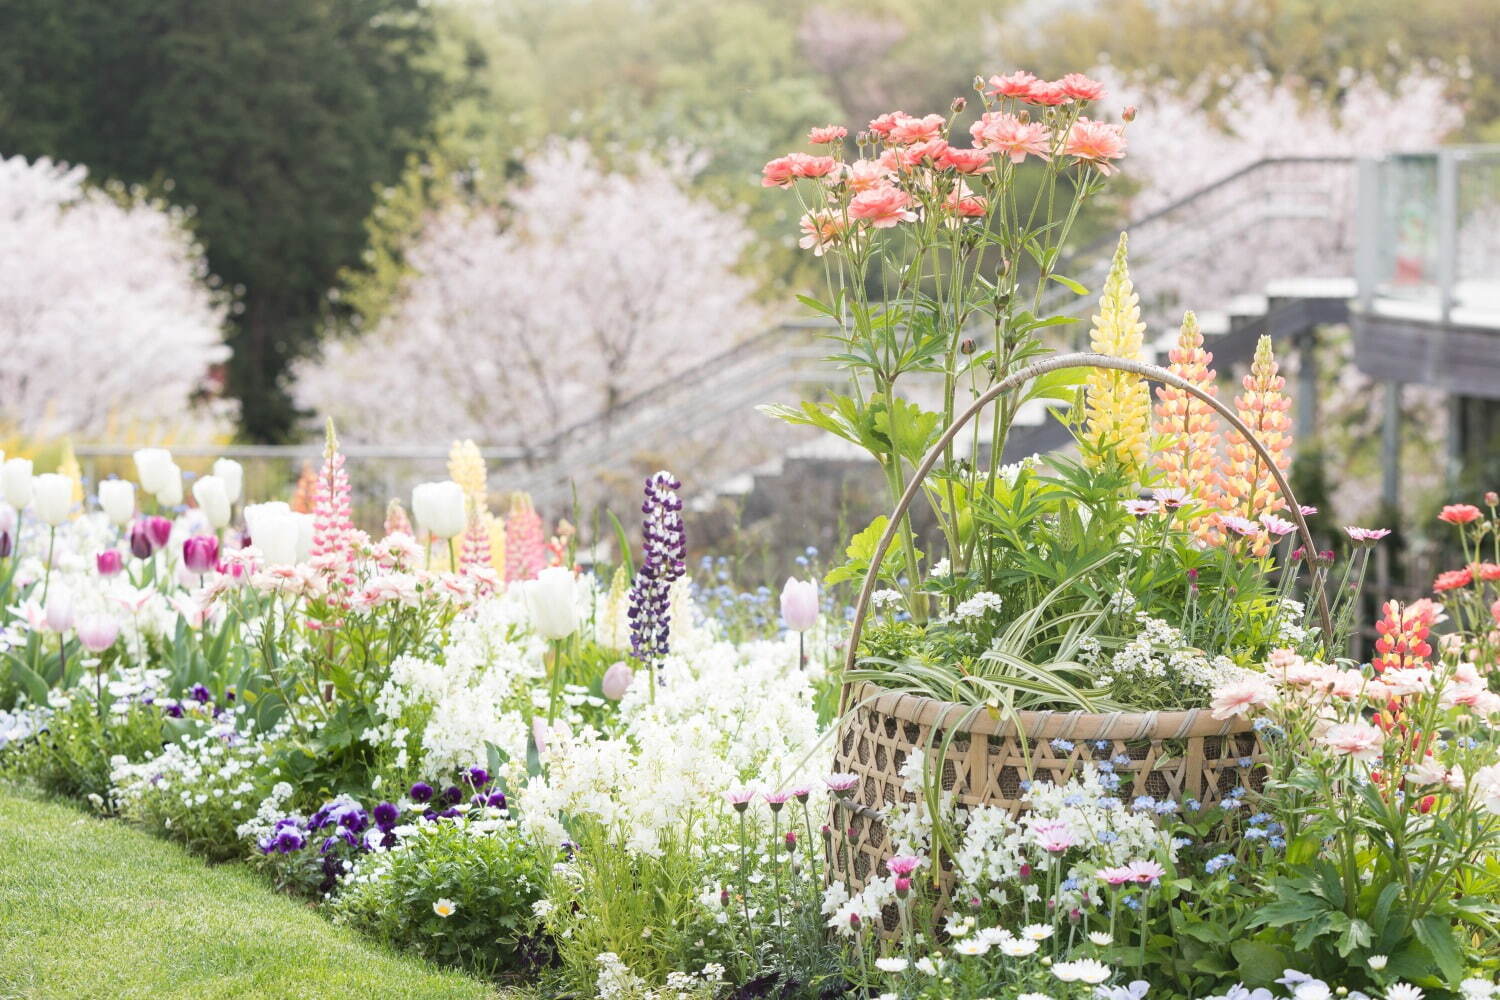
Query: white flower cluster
x,y
617,982
271,809
1158,653
217,769
722,716
977,606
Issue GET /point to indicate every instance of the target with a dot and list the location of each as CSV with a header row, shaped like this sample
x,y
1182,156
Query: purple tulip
x,y
109,562
160,530
141,545
200,554
5,544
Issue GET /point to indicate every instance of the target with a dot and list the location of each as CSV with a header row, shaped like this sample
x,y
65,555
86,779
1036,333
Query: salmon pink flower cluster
x,y
911,170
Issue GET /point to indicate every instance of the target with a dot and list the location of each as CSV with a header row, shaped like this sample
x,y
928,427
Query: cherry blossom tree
x,y
106,316
586,288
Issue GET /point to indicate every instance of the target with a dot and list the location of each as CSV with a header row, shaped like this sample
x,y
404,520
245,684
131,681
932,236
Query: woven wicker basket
x,y
1171,755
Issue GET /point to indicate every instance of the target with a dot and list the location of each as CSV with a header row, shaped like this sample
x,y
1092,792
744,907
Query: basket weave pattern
x,y
1171,755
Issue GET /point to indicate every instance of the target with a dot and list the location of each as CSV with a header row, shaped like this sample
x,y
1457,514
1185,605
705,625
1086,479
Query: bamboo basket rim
x,y
1048,723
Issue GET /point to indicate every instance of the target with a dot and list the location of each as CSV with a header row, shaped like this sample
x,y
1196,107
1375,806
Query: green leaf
x,y
29,680
1259,963
818,306
861,550
1069,284
1436,934
1289,908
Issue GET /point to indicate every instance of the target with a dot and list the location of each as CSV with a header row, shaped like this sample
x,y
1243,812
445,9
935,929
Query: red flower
x,y
1453,579
1460,513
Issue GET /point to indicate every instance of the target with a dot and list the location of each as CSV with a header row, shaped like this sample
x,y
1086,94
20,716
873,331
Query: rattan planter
x,y
1172,755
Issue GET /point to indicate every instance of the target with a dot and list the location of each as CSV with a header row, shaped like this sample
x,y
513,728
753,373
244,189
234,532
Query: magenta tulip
x,y
200,553
160,530
109,562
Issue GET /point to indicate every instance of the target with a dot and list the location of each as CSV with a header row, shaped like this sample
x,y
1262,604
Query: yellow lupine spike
x,y
466,468
1117,405
68,466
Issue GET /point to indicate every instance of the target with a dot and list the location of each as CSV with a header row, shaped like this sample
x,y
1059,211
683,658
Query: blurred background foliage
x,y
311,137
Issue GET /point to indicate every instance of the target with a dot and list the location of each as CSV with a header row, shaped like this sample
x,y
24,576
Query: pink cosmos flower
x,y
841,782
884,207
1307,511
1277,526
1459,513
1240,697
1146,871
967,161
1366,536
907,130
1171,497
1240,525
903,864
826,134
1054,836
1017,84
777,798
1359,740
1081,88
1140,508
1116,876
740,796
1004,134
1095,143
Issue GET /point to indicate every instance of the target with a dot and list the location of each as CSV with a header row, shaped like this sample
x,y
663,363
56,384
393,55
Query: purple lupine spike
x,y
663,561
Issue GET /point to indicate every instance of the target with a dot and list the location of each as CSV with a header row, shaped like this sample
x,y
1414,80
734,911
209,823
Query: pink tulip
x,y
617,680
59,613
109,562
200,554
160,531
98,632
799,604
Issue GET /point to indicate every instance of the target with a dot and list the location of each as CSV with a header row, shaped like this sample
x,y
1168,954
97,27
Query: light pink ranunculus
x,y
862,175
1240,697
1004,134
883,207
1017,84
827,134
1095,143
908,131
1082,88
1359,740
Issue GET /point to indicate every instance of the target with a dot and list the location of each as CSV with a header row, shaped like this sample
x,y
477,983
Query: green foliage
x,y
491,877
274,121
96,909
71,755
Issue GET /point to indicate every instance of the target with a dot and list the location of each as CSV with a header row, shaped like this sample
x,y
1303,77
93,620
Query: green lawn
x,y
91,908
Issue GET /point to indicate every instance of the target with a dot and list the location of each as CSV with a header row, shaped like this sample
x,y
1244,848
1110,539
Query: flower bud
x,y
212,497
1492,499
160,531
791,841
1025,871
53,497
724,897
59,613
854,921
799,604
15,479
958,105
200,554
617,680
967,345
140,540
903,888
1129,113
117,499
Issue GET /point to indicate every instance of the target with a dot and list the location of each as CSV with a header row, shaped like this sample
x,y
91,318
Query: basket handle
x,y
1017,378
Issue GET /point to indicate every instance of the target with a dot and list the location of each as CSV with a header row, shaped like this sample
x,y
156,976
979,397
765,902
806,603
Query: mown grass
x,y
92,908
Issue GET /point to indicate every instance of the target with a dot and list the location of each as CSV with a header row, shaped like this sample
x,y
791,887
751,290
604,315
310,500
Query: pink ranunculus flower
x,y
1240,697
827,134
1081,88
930,152
813,167
964,203
883,207
1017,84
967,161
1460,513
1049,94
863,175
780,172
1004,134
821,231
1359,740
907,131
883,125
1095,143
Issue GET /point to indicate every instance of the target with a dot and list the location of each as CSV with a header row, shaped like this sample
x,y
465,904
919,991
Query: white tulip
x,y
552,604
169,489
213,500
15,477
273,531
151,465
233,476
54,498
117,497
439,508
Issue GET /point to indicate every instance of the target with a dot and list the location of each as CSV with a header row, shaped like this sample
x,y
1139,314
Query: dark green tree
x,y
276,121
